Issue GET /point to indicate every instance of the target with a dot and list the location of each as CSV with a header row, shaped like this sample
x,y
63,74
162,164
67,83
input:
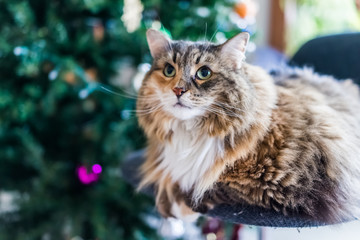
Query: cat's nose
x,y
179,91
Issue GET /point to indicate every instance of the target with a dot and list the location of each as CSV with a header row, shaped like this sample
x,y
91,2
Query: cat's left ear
x,y
235,47
158,42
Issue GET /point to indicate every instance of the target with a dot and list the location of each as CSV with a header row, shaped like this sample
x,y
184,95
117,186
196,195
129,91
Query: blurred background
x,y
69,72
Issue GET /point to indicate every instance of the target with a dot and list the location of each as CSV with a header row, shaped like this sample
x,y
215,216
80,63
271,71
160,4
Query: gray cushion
x,y
241,213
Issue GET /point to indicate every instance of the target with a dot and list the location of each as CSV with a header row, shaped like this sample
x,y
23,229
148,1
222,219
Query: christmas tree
x,y
63,130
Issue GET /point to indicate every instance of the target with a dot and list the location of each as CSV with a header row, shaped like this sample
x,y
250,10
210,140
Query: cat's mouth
x,y
180,105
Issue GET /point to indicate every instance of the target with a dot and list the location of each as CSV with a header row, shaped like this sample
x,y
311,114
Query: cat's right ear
x,y
235,48
158,42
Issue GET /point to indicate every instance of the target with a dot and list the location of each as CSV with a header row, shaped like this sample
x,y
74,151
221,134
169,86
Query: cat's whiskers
x,y
149,111
218,106
209,42
214,34
233,110
130,95
221,112
106,89
145,110
205,32
153,98
225,105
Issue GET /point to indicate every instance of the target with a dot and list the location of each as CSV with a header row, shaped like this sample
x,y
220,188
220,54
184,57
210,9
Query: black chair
x,y
337,55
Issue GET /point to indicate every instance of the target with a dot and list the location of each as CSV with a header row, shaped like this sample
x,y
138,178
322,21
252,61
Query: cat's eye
x,y
169,70
203,73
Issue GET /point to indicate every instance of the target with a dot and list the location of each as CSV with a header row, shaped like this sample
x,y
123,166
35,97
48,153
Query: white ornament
x,y
132,14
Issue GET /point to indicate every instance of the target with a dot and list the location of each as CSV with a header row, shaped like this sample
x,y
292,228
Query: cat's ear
x,y
235,47
158,42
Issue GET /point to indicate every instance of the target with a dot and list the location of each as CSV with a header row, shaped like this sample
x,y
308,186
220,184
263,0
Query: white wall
x,y
263,22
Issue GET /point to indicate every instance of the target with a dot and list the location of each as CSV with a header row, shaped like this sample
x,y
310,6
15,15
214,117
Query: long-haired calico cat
x,y
222,131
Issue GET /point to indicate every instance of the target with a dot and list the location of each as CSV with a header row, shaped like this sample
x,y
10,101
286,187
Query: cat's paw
x,y
183,212
203,208
164,206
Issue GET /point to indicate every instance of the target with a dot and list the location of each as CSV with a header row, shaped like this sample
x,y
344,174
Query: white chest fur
x,y
189,155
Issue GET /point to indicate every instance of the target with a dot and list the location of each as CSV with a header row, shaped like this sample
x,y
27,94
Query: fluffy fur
x,y
290,143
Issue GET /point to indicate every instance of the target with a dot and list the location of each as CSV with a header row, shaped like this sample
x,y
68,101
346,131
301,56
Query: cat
x,y
220,130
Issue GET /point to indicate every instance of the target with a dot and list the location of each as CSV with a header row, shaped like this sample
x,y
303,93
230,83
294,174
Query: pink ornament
x,y
96,168
87,177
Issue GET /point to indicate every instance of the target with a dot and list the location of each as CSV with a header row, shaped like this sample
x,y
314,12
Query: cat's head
x,y
190,79
205,83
